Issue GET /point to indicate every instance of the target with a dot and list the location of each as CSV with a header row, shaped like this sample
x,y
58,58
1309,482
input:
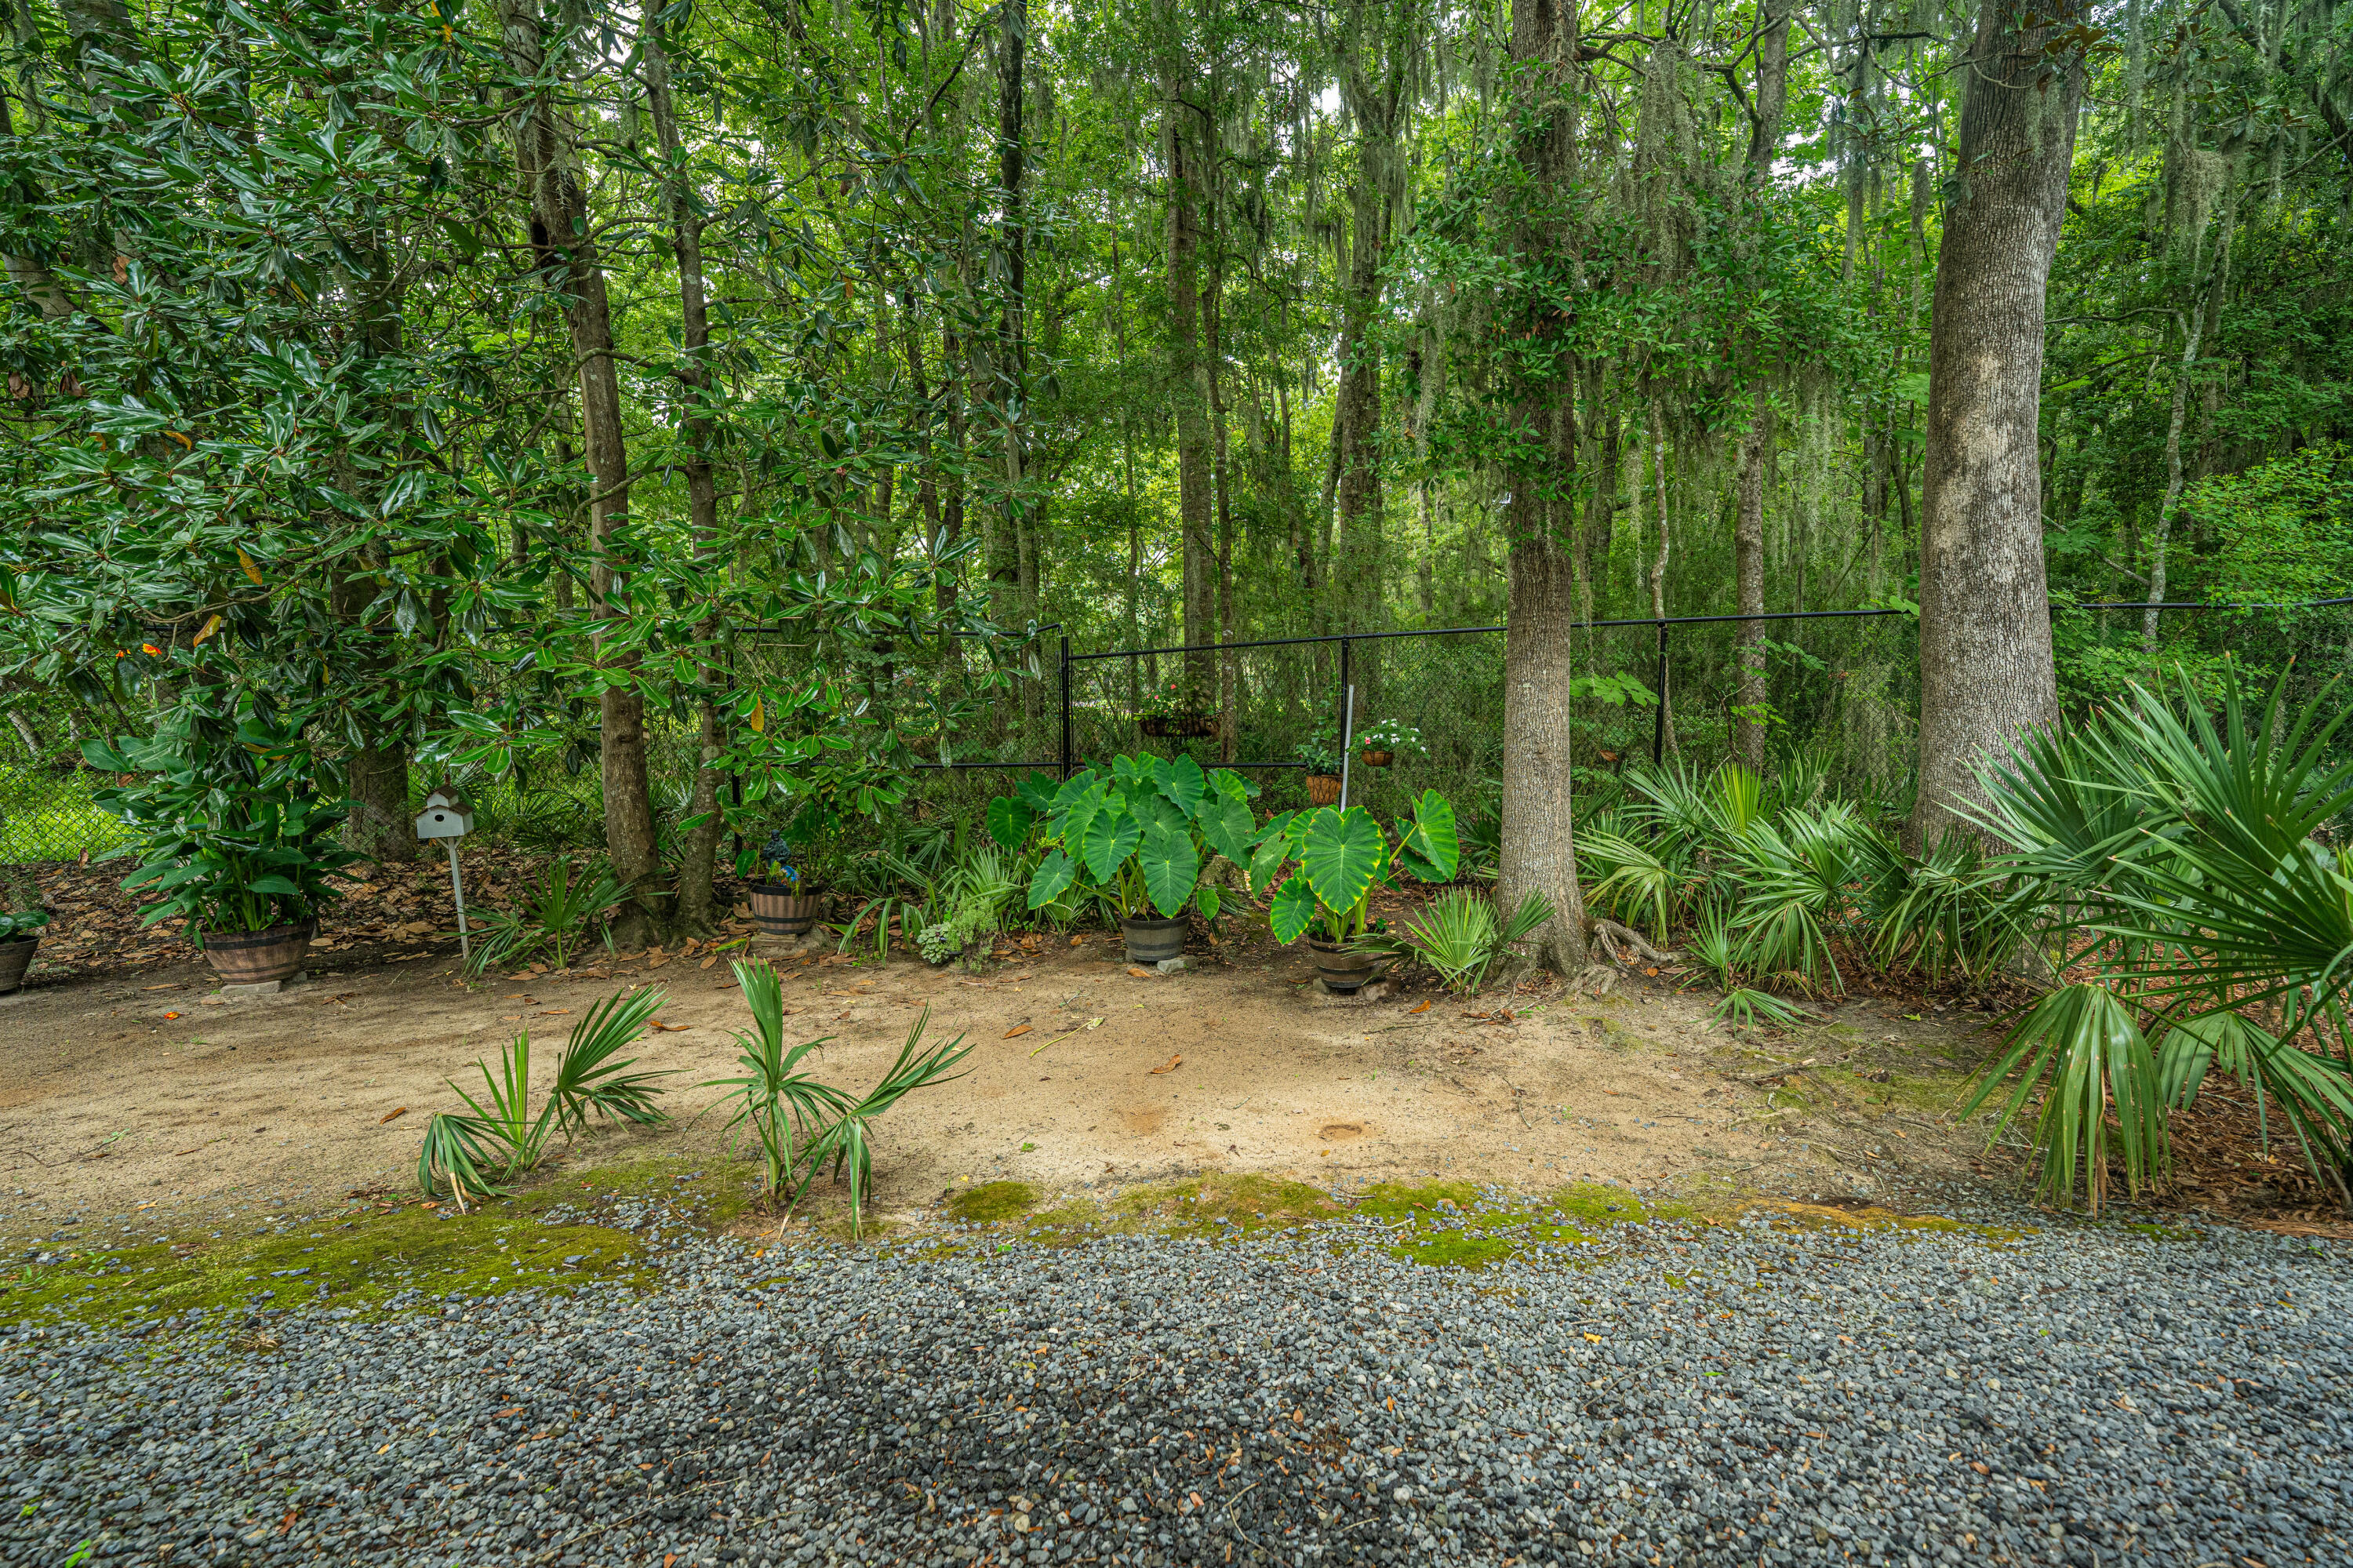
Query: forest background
x,y
676,421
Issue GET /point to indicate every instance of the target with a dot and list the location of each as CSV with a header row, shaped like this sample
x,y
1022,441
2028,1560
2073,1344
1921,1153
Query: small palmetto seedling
x,y
1744,1008
799,1123
498,1138
1459,935
560,914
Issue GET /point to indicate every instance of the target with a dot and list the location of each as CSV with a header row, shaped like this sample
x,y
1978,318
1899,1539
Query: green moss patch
x,y
365,1255
1219,1205
1823,1218
1453,1225
993,1201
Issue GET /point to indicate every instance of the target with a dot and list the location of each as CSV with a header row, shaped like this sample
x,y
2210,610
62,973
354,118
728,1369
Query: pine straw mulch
x,y
390,913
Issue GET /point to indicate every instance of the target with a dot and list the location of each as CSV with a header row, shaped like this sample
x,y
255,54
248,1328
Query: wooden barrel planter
x,y
1150,941
1343,973
1322,788
257,958
779,911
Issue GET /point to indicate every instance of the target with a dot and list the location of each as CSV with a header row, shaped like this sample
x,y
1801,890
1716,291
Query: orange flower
x,y
151,648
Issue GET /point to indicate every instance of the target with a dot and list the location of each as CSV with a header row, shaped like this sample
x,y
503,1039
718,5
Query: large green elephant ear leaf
x,y
1076,785
1181,781
1170,869
1344,852
1225,822
1051,879
1226,781
1293,908
1266,863
1039,793
1068,825
1110,837
1428,845
1009,818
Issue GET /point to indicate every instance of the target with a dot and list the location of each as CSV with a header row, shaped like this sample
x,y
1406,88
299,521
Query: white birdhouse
x,y
448,814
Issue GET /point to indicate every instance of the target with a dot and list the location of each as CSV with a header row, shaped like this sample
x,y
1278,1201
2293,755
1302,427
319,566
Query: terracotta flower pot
x,y
781,911
1379,758
15,958
257,958
1342,971
1150,940
1322,788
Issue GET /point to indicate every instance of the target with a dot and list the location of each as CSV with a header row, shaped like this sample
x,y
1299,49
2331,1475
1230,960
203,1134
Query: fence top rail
x,y
1663,621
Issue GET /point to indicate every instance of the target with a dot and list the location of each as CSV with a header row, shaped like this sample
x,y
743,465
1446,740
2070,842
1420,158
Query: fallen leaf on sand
x,y
658,1026
708,962
1017,1029
1078,941
396,1110
1423,1007
1173,1064
1140,974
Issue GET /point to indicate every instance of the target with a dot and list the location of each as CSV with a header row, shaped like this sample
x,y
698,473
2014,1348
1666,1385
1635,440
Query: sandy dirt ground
x,y
151,1093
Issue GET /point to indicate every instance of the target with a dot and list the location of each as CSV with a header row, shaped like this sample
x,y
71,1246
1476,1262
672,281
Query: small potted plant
x,y
1170,709
1340,857
21,919
1386,741
230,828
788,897
1141,836
1320,755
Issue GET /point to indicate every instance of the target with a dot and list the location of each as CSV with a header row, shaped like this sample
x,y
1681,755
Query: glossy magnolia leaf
x,y
1053,878
1181,781
1170,869
1294,908
1225,824
1342,852
1428,844
1008,821
1110,836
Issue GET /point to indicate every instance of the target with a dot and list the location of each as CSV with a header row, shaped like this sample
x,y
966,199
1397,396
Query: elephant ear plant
x,y
1343,856
1140,834
798,1123
227,824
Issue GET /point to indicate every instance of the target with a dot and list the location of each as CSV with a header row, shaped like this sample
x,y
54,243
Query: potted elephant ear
x,y
230,832
1341,856
1141,835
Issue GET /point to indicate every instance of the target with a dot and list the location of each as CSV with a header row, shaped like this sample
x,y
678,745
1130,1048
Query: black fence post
x,y
1340,697
1066,704
1658,721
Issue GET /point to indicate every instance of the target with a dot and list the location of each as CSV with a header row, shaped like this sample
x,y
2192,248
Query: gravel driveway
x,y
1669,1393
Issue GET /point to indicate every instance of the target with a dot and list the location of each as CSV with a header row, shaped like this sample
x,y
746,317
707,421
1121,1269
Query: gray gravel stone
x,y
1668,1393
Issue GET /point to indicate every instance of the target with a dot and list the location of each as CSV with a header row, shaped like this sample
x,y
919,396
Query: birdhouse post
x,y
449,816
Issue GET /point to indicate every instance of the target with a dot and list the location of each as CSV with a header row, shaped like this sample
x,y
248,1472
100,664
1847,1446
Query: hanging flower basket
x,y
1322,788
1379,758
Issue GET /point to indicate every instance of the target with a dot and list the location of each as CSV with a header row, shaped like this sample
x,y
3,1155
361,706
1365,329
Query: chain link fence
x,y
1842,699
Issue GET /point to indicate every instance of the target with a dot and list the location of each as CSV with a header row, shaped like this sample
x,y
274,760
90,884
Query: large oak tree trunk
x,y
564,247
1539,850
1986,673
